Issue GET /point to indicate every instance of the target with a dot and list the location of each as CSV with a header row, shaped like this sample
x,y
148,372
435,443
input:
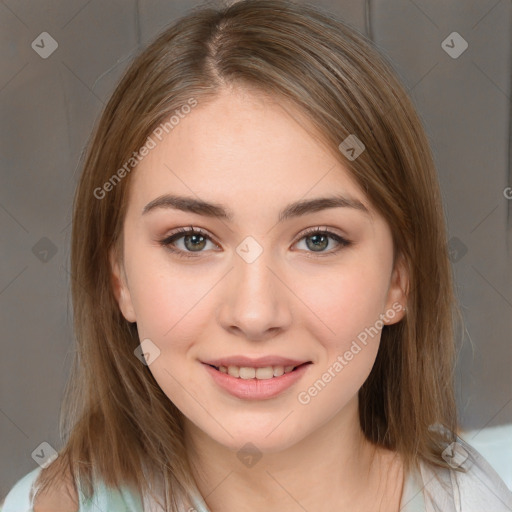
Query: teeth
x,y
278,371
265,373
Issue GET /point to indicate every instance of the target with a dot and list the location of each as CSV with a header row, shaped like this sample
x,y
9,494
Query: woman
x,y
262,292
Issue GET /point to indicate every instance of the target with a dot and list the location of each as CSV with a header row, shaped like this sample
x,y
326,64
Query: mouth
x,y
256,383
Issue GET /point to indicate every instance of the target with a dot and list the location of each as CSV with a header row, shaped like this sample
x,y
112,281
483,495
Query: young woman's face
x,y
254,284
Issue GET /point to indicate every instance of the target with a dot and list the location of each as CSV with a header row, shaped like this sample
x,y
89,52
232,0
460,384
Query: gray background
x,y
48,107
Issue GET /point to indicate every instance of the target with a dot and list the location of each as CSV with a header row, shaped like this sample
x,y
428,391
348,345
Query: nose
x,y
256,299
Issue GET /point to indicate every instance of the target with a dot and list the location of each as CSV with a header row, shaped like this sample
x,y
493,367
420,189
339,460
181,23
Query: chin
x,y
262,440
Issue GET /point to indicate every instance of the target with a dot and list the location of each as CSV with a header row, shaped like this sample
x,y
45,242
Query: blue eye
x,y
195,240
320,240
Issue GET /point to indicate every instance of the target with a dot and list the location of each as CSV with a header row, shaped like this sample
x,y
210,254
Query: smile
x,y
256,383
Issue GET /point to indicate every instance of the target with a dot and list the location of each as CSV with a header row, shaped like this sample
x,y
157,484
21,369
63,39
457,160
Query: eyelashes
x,y
189,233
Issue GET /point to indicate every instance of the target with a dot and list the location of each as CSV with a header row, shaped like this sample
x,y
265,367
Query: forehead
x,y
242,146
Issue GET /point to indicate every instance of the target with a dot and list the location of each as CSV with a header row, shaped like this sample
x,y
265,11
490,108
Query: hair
x,y
117,422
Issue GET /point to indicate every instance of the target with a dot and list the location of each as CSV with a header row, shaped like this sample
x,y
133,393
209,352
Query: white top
x,y
431,489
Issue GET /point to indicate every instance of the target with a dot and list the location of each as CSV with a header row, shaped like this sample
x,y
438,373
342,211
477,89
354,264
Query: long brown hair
x,y
117,423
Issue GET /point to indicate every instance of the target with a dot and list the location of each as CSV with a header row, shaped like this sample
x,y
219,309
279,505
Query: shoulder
x,y
470,485
58,499
21,497
18,498
63,499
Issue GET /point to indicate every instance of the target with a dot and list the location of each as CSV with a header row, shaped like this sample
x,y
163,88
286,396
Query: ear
x,y
120,287
396,301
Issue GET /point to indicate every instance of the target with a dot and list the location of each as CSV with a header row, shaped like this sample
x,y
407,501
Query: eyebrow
x,y
215,210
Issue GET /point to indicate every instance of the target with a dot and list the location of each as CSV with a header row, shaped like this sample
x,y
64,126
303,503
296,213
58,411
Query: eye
x,y
319,240
194,238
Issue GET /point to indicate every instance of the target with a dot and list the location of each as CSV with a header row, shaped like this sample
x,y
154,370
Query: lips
x,y
249,388
260,362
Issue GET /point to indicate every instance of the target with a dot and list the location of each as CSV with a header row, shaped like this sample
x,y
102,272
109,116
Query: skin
x,y
255,156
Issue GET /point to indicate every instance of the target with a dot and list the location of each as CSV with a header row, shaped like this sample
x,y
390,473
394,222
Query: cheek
x,y
344,319
169,299
344,302
172,311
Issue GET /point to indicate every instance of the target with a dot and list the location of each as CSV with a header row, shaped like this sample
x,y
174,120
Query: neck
x,y
334,465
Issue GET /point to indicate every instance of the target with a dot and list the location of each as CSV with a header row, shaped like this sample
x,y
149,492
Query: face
x,y
312,285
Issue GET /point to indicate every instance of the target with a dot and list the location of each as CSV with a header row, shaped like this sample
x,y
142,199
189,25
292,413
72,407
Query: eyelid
x,y
321,229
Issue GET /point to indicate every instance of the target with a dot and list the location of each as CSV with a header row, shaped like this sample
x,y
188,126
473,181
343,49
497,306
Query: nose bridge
x,y
255,301
254,278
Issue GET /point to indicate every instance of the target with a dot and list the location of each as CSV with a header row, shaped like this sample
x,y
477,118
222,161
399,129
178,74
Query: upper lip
x,y
259,362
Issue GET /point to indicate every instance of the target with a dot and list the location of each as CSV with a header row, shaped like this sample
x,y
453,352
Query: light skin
x,y
301,300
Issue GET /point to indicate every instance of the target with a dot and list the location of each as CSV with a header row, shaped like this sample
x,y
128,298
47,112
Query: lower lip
x,y
255,389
